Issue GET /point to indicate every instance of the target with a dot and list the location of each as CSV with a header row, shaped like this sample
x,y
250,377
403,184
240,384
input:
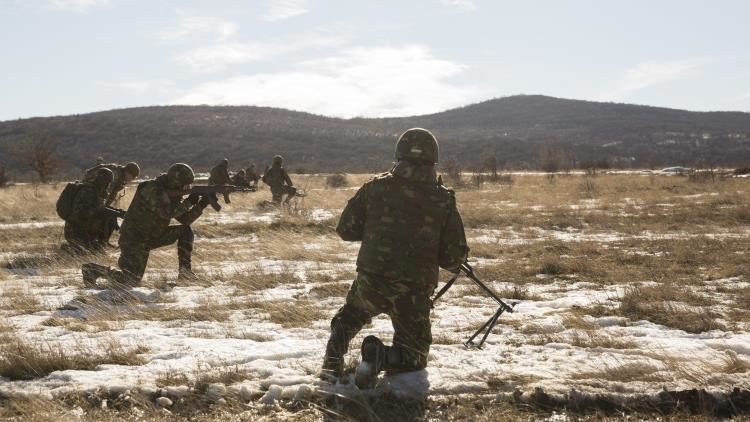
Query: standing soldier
x,y
89,213
220,176
278,179
409,226
146,227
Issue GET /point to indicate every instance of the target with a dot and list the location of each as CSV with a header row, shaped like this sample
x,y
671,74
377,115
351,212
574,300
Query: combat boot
x,y
91,272
374,354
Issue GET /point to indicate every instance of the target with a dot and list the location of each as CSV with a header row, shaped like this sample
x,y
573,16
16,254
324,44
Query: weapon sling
x,y
487,327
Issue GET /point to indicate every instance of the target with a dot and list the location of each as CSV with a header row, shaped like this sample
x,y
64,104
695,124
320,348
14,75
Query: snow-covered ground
x,y
229,320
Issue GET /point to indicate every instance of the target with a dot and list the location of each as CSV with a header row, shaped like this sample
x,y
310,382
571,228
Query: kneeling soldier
x,y
155,203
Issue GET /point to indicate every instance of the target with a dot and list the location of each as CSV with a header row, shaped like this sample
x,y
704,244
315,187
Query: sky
x,y
369,58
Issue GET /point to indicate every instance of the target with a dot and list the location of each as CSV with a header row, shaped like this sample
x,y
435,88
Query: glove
x,y
204,202
193,198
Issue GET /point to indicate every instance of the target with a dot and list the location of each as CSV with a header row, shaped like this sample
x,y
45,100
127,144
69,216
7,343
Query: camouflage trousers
x,y
409,309
134,254
278,192
85,237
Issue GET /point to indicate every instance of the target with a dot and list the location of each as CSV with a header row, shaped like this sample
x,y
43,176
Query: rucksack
x,y
64,204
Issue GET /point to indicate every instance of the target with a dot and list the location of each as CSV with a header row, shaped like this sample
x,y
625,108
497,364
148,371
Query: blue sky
x,y
369,58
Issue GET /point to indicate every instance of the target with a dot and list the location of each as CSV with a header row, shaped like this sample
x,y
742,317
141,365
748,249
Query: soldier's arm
x,y
191,215
158,202
453,247
352,222
287,179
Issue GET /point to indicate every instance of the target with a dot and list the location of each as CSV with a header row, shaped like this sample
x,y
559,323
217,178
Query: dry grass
x,y
18,301
583,339
291,314
327,290
671,306
627,372
20,360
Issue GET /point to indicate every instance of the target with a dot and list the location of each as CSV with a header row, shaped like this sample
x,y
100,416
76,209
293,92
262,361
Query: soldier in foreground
x,y
409,226
147,226
279,181
89,213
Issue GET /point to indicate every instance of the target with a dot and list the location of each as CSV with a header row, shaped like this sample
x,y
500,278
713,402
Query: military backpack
x,y
64,204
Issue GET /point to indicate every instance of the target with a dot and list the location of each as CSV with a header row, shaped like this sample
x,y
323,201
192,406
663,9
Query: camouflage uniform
x,y
252,176
279,181
240,180
121,179
147,227
122,176
409,226
89,215
220,174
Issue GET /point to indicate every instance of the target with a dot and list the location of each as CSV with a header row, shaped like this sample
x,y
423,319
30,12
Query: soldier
x,y
240,180
252,175
123,175
146,227
89,214
220,176
409,226
278,179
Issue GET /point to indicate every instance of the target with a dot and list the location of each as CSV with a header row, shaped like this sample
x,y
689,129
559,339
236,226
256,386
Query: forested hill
x,y
518,130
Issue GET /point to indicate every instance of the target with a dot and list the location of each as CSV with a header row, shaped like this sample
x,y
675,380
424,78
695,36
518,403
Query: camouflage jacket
x,y
88,204
219,175
276,177
152,210
408,229
241,181
117,185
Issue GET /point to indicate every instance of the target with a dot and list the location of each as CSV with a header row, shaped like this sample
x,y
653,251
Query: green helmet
x,y
132,169
417,144
179,175
278,159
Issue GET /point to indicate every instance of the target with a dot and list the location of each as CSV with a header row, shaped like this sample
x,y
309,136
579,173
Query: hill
x,y
518,130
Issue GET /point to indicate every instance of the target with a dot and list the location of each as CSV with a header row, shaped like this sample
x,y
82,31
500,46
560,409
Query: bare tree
x,y
41,156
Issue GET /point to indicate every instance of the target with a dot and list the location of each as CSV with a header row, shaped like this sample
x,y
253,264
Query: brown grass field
x,y
629,284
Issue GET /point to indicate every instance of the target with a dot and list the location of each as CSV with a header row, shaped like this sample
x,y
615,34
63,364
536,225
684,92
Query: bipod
x,y
487,327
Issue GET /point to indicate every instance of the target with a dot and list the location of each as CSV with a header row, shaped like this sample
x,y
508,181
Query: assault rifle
x,y
210,192
114,212
466,269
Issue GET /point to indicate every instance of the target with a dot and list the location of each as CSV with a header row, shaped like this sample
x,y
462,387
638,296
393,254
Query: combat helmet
x,y
132,169
179,175
417,144
277,160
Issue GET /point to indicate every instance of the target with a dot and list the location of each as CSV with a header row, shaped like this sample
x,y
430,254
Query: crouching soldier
x,y
123,174
147,226
409,226
89,214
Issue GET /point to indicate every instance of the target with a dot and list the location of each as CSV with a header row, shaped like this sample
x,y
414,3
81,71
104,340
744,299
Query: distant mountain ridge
x,y
515,129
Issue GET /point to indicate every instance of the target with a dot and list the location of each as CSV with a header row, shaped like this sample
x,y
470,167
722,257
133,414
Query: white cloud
x,y
78,5
644,75
217,57
142,87
216,28
380,81
464,5
285,9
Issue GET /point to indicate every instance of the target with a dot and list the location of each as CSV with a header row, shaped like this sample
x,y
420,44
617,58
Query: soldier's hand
x,y
204,202
193,198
